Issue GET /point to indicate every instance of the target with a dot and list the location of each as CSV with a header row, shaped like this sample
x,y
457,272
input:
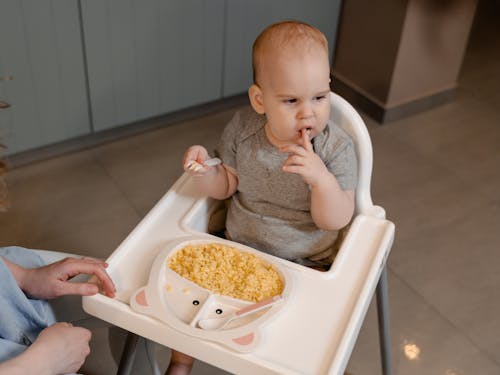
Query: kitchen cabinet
x,y
149,57
71,68
42,74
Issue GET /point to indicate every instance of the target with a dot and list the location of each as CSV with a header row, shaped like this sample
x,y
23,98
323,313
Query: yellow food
x,y
227,271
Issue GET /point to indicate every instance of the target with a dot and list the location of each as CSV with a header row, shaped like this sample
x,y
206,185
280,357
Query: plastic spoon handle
x,y
212,162
193,165
218,323
256,306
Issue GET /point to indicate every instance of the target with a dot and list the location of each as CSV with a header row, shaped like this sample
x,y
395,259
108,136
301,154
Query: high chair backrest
x,y
344,115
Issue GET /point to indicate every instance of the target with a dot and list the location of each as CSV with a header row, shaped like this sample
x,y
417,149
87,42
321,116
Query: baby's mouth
x,y
307,130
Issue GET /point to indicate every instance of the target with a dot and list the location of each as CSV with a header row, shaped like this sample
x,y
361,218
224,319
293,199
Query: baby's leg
x,y
180,364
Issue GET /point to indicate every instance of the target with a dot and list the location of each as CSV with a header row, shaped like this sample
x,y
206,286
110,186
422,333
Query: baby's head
x,y
285,39
291,81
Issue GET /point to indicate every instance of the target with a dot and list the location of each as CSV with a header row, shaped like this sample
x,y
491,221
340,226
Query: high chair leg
x,y
383,322
128,354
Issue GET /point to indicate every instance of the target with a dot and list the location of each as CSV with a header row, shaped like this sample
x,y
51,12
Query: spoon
x,y
220,322
193,165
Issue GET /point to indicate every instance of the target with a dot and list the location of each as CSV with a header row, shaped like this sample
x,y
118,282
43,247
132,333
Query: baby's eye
x,y
290,101
320,97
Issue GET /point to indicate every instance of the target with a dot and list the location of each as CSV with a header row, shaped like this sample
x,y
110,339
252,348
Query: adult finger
x,y
83,333
79,289
92,269
95,260
90,260
70,267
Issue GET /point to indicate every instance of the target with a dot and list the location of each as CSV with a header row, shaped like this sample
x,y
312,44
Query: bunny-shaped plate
x,y
194,310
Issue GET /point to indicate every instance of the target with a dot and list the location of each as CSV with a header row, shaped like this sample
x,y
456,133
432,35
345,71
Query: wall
x,y
394,58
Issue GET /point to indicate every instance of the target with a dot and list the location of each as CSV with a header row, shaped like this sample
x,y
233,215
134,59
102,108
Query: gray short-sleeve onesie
x,y
270,210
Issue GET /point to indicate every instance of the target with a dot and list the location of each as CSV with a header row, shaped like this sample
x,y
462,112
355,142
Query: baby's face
x,y
295,93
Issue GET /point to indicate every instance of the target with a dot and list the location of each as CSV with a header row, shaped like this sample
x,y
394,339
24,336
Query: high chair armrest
x,y
375,211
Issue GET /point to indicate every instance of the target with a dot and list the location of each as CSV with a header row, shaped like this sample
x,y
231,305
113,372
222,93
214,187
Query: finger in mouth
x,y
306,131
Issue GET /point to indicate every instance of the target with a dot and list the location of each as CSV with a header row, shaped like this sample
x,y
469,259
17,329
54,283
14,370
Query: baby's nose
x,y
305,111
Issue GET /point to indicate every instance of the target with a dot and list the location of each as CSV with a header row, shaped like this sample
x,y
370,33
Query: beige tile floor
x,y
435,173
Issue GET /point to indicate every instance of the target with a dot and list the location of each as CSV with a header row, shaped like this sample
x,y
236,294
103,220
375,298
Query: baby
x,y
289,171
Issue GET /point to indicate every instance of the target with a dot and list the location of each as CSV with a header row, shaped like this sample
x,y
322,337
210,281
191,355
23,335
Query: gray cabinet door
x,y
42,73
246,19
149,57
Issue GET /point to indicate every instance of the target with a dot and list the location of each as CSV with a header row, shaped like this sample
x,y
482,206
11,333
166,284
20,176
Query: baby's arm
x,y
331,207
219,182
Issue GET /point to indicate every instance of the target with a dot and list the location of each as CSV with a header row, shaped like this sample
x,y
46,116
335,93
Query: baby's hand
x,y
196,161
304,161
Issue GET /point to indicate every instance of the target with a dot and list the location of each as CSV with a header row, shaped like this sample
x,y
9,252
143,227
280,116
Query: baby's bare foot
x,y
178,369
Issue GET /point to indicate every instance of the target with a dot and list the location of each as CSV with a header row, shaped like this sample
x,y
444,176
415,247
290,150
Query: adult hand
x,y
59,349
305,162
52,281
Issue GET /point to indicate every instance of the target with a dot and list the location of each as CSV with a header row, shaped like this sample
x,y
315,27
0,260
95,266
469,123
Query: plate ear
x,y
139,301
245,343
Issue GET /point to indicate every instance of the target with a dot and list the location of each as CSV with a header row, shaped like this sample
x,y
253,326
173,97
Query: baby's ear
x,y
255,95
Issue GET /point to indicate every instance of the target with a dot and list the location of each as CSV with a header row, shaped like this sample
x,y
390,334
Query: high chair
x,y
343,114
317,327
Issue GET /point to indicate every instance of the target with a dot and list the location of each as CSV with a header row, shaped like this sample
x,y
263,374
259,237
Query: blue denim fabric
x,y
22,318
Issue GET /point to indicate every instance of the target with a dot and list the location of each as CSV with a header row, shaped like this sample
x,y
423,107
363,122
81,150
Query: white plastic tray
x,y
316,332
